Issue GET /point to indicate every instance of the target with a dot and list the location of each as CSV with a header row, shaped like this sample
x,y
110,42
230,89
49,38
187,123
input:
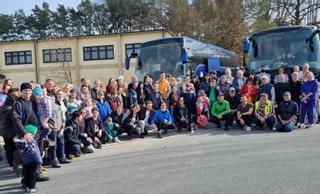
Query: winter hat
x,y
37,91
25,85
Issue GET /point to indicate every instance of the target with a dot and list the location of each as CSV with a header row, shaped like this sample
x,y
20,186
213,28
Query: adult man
x,y
266,87
163,120
287,114
95,90
145,118
24,115
239,81
234,100
264,112
71,133
244,114
281,87
263,73
221,111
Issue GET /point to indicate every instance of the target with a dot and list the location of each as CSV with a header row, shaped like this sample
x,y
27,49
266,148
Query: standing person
x,y
263,73
95,130
196,83
103,106
173,98
308,101
164,86
281,73
249,90
267,88
23,115
264,113
163,120
295,87
145,118
305,70
156,97
244,114
220,110
133,95
96,88
214,91
187,81
287,114
190,99
205,84
148,85
296,69
141,92
228,74
60,117
239,81
234,101
134,79
224,85
280,88
182,117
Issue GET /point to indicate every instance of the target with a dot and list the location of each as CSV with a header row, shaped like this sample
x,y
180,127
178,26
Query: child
x,y
111,130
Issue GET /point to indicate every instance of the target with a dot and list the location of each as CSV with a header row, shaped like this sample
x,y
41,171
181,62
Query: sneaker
x,y
41,178
141,135
116,139
64,161
55,164
248,128
226,128
302,126
191,131
28,190
308,126
160,133
70,156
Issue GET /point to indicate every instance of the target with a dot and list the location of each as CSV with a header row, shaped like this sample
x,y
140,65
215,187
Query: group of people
x,y
65,122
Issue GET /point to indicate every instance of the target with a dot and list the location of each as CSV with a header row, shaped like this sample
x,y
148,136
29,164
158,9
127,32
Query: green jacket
x,y
220,108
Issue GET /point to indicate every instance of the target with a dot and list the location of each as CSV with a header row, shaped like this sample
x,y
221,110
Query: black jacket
x,y
24,113
179,112
71,133
92,126
142,114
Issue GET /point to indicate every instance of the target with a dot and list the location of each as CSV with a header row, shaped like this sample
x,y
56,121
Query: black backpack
x,y
5,120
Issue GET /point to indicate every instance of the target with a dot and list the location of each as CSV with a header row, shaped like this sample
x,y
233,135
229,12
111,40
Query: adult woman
x,y
84,94
224,85
141,92
249,90
182,116
111,87
308,101
214,91
205,84
130,123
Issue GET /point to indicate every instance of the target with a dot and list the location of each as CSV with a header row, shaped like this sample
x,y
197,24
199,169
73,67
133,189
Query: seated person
x,y
287,114
145,118
220,111
111,130
71,133
182,117
163,119
117,118
244,114
130,123
94,129
264,112
83,137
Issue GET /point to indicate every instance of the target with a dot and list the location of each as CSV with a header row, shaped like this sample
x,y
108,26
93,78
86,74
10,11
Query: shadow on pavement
x,y
6,175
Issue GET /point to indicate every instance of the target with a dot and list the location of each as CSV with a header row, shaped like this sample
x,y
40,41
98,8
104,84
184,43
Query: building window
x,y
132,48
18,57
57,55
98,53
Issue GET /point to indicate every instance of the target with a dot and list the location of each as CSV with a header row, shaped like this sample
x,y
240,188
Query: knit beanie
x,y
25,85
37,91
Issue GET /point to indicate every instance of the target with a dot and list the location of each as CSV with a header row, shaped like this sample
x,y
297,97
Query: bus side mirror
x,y
128,58
245,45
184,56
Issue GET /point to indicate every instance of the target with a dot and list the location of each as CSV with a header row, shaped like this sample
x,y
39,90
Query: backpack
x,y
5,120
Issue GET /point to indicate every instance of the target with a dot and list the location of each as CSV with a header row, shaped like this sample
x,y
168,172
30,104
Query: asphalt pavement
x,y
208,161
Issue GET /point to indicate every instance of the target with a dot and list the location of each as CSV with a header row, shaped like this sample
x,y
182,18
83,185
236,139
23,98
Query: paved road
x,y
209,161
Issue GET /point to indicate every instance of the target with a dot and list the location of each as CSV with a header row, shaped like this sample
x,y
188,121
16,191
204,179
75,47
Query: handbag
x,y
30,153
202,120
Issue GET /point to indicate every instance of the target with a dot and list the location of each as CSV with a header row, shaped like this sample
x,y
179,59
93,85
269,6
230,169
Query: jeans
x,y
9,147
227,117
285,128
72,149
29,173
60,147
53,149
248,119
307,109
269,121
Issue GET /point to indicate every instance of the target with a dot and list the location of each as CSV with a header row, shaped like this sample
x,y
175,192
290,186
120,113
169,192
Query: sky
x,y
10,6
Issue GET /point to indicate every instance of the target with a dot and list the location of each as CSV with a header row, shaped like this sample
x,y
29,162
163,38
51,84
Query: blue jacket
x,y
159,115
310,86
235,83
133,96
104,110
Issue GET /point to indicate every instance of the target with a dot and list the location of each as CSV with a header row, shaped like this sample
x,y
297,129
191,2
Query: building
x,y
92,57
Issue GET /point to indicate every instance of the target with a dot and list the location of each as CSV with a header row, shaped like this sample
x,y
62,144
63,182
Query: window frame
x,y
17,54
134,48
54,54
89,50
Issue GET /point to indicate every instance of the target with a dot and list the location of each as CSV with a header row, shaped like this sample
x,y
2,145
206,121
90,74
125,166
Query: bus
x,y
180,56
285,47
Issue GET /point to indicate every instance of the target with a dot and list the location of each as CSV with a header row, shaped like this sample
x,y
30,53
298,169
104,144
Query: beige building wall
x,y
94,70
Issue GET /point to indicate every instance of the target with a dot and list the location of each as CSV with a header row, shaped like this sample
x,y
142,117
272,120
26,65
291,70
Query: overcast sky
x,y
10,6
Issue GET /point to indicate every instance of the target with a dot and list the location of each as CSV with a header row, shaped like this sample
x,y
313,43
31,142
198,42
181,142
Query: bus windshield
x,y
162,57
286,48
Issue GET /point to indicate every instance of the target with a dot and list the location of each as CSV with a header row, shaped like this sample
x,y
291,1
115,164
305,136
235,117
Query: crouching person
x,y
244,114
287,114
111,129
182,117
145,118
264,112
220,111
130,123
71,133
94,129
163,119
